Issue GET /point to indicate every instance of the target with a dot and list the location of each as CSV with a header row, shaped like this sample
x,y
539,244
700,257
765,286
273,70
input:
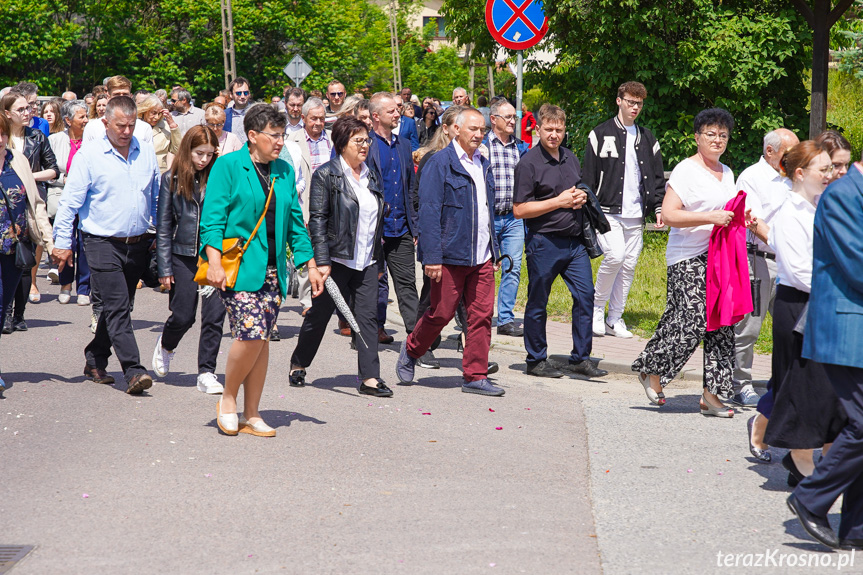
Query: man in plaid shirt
x,y
504,151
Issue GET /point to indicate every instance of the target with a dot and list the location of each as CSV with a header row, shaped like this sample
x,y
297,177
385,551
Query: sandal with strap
x,y
298,378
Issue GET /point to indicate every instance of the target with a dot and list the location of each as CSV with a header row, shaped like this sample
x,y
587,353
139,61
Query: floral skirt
x,y
253,314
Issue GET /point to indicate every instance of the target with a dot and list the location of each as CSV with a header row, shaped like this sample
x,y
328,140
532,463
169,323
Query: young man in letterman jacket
x,y
623,165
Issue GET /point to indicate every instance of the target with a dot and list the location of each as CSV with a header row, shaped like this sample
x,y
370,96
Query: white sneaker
x,y
65,296
161,359
208,383
598,321
618,329
83,300
54,276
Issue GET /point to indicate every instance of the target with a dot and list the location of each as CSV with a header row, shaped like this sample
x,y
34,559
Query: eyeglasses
x,y
335,94
714,136
826,170
507,119
23,110
215,126
276,137
243,93
361,142
634,103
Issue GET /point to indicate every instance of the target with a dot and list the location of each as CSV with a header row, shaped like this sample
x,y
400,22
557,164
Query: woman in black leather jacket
x,y
346,225
34,144
180,199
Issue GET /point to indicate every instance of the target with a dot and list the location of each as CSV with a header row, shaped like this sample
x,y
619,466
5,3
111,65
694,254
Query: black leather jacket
x,y
177,225
40,156
593,223
334,212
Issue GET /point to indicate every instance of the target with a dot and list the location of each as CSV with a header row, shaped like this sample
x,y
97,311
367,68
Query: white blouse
x,y
791,235
364,248
699,191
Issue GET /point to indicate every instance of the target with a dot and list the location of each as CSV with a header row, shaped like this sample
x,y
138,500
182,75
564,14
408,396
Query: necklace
x,y
260,173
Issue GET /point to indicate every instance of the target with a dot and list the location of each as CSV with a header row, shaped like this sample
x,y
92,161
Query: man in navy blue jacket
x,y
459,250
390,156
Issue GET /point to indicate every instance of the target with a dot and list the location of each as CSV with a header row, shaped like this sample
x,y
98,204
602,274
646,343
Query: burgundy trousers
x,y
476,284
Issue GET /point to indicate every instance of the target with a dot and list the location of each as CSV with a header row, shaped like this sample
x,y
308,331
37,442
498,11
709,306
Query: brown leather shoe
x,y
139,383
97,375
384,337
344,328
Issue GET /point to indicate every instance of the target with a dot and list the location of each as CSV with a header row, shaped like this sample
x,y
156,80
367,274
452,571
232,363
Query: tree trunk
x,y
820,63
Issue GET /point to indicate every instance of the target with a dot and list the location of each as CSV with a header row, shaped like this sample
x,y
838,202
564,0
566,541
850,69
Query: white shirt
x,y
631,203
473,166
366,223
95,130
791,238
766,191
700,191
291,128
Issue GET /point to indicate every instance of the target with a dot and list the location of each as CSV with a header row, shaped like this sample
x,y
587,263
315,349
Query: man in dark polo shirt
x,y
545,197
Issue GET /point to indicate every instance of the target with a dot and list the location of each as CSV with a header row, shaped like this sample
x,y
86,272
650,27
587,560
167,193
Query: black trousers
x,y
183,303
362,287
115,269
841,470
400,256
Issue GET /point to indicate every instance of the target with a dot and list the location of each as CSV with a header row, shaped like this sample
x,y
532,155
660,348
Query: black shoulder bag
x,y
25,251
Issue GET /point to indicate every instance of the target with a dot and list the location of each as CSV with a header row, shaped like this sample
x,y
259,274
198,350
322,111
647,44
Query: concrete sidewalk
x,y
615,354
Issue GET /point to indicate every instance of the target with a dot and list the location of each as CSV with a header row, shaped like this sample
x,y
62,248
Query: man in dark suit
x,y
834,337
390,155
407,128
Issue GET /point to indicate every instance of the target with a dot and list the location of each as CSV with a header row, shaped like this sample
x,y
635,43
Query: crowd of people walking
x,y
232,206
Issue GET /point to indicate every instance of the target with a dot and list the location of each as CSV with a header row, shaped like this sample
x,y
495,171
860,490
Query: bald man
x,y
69,96
766,189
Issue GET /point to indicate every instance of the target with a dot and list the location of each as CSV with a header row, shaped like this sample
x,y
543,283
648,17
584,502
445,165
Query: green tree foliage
x,y
74,44
747,57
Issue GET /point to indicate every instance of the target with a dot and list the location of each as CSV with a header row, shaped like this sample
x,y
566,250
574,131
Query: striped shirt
x,y
319,150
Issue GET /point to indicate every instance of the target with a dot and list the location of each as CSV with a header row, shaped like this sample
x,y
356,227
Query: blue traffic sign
x,y
516,24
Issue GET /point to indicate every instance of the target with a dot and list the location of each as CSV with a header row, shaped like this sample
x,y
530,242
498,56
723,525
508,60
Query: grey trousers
x,y
746,331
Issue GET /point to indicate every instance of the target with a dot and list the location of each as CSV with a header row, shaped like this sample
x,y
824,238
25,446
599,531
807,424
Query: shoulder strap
x,y
263,215
9,212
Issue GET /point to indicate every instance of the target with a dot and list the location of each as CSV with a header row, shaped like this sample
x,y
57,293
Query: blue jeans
x,y
549,256
510,236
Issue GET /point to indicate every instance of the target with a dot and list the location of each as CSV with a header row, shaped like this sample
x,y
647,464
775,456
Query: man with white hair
x,y
766,189
315,148
69,96
459,97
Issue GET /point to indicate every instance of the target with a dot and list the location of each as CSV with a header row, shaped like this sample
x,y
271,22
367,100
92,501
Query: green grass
x,y
646,300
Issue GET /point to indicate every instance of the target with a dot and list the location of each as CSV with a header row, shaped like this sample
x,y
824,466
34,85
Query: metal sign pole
x,y
518,93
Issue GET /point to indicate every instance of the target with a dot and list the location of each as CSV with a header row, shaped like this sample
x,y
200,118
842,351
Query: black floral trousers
x,y
683,326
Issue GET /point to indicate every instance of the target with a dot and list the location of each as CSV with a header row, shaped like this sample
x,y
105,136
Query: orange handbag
x,y
232,252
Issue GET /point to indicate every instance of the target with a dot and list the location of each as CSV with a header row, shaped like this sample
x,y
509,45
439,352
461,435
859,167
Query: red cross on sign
x,y
516,24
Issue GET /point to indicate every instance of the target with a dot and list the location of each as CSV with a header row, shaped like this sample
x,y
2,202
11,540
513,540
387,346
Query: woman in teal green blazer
x,y
237,193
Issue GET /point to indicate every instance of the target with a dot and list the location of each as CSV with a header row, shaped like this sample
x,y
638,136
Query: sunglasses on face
x,y
243,93
336,94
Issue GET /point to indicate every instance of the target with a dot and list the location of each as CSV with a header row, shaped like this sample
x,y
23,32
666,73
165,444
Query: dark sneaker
x,y
428,361
18,324
543,369
510,329
405,364
380,390
97,375
746,397
493,367
139,383
482,387
585,368
7,324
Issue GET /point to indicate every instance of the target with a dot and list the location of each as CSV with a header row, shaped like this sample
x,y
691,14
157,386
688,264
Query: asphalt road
x,y
557,476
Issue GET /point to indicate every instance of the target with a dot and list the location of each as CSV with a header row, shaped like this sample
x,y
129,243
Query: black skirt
x,y
806,413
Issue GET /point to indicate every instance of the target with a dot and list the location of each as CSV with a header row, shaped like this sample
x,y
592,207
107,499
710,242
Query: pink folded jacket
x,y
729,295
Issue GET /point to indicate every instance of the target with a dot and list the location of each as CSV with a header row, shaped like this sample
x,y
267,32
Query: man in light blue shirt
x,y
112,187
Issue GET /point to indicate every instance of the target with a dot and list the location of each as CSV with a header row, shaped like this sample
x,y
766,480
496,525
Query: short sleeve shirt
x,y
538,176
699,191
